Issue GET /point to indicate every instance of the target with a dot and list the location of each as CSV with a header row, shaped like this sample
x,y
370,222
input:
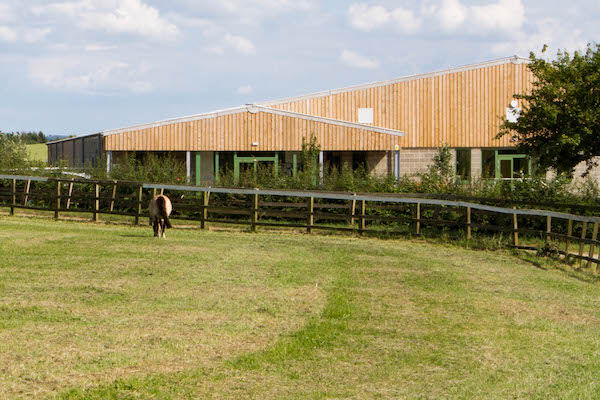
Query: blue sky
x,y
83,66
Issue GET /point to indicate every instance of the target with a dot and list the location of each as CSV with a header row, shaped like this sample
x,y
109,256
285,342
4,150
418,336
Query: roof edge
x,y
253,108
513,59
331,121
72,138
195,117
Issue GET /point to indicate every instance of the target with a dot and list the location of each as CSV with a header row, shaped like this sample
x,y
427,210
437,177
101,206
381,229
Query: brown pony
x,y
160,208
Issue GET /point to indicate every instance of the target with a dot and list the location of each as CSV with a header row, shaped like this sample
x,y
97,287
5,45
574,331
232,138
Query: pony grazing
x,y
160,208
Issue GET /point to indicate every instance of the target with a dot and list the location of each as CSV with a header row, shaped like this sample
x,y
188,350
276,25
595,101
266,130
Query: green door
x,y
512,166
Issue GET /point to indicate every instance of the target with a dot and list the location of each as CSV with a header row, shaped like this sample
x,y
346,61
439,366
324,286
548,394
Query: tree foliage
x,y
13,154
560,121
28,137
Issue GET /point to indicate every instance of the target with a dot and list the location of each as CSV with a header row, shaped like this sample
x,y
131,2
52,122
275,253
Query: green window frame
x,y
505,166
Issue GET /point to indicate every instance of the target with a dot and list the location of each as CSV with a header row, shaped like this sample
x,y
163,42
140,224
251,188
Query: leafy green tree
x,y
13,153
560,122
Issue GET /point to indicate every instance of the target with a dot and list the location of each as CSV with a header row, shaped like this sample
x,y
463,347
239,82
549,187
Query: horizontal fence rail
x,y
574,236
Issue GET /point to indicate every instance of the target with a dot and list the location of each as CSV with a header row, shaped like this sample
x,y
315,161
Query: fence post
x,y
310,205
14,196
352,220
57,199
139,205
69,194
363,212
548,228
205,199
27,186
515,230
113,197
567,240
96,203
153,192
594,237
468,223
254,214
418,220
583,234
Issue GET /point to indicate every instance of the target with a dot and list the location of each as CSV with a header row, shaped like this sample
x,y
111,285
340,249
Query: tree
x,y
13,154
560,122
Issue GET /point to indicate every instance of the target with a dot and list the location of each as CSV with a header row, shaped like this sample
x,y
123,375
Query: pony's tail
x,y
162,209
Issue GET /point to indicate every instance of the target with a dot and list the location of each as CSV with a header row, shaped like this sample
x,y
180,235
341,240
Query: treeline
x,y
26,137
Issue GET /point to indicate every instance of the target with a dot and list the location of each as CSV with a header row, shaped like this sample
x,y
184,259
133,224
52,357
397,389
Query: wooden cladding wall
x,y
238,132
460,109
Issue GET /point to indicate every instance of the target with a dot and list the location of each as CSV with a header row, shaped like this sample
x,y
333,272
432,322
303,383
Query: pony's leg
x,y
164,228
155,226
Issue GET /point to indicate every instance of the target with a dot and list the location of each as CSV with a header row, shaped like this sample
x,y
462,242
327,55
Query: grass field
x,y
37,152
95,311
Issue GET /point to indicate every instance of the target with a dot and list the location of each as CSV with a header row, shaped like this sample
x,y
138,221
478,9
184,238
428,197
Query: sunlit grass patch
x,y
97,311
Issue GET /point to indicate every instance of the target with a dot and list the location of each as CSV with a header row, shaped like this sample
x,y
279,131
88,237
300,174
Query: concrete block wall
x,y
579,170
207,167
416,161
594,173
378,163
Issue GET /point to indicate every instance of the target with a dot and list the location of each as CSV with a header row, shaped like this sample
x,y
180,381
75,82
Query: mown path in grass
x,y
106,311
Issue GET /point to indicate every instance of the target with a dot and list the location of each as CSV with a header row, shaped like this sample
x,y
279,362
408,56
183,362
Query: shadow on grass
x,y
546,264
135,236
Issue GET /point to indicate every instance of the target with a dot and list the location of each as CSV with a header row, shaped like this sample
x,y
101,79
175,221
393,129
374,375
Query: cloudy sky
x,y
82,66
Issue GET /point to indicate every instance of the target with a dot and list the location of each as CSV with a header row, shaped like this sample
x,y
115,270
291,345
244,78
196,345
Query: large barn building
x,y
391,127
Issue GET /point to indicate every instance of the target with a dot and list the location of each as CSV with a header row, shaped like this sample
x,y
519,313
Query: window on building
x,y
488,164
365,115
505,164
463,163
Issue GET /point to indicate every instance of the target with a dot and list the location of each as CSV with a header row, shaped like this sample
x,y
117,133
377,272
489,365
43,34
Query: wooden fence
x,y
311,210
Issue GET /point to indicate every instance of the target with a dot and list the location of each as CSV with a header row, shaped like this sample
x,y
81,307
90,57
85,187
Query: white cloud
x,y
33,35
503,16
253,11
240,44
98,47
367,18
244,90
6,12
405,20
506,15
548,31
355,60
218,50
7,34
452,14
236,6
88,75
114,16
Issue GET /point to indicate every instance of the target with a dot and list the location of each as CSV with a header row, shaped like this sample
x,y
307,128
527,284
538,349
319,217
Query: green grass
x,y
105,311
37,152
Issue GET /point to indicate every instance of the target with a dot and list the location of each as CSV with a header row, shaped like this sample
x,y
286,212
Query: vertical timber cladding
x,y
245,131
461,109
